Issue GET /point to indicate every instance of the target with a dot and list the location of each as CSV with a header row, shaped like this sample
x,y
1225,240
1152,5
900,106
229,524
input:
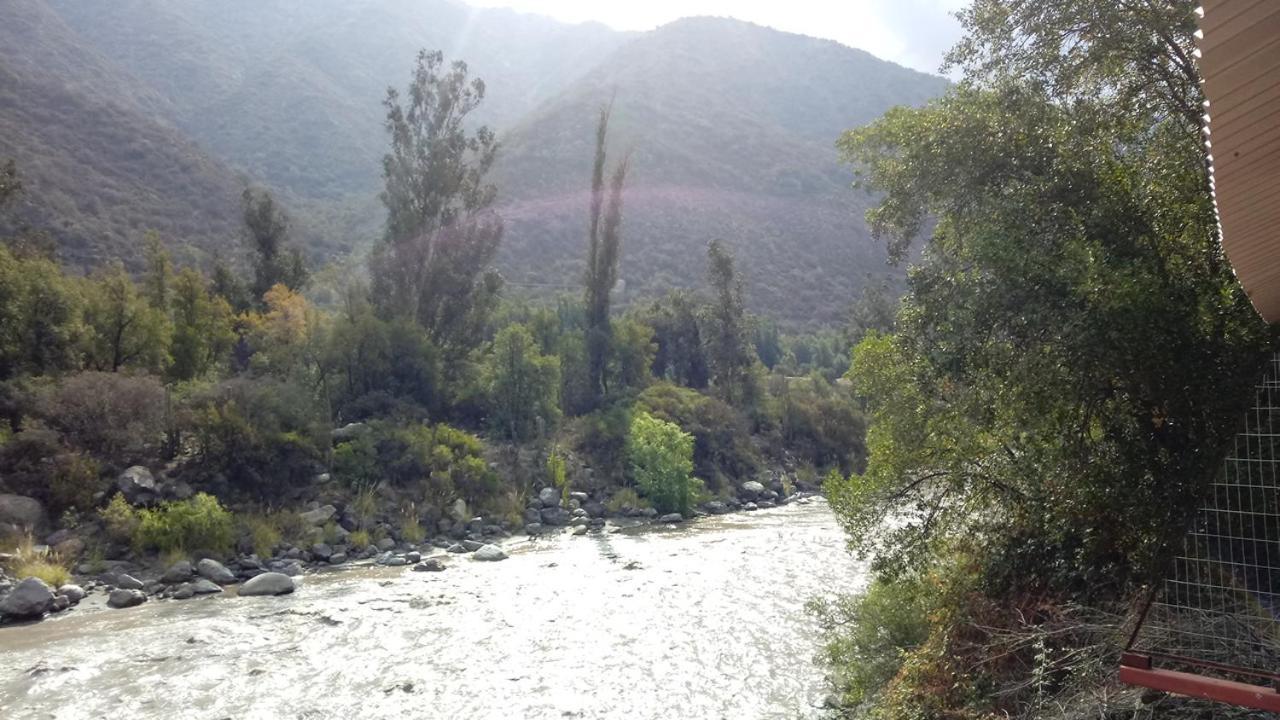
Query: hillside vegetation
x,y
731,125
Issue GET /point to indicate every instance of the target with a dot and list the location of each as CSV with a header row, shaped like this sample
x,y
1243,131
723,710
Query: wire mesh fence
x,y
1219,609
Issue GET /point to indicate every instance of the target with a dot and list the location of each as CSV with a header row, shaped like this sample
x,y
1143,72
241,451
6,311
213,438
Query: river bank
x,y
700,620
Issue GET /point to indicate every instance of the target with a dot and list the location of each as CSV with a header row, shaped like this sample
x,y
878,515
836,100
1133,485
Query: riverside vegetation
x,y
265,414
1014,446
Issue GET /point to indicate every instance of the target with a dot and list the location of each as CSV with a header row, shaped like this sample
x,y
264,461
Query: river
x,y
702,621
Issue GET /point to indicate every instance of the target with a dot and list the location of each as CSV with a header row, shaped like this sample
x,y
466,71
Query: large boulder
x,y
202,586
137,484
549,497
178,573
268,583
214,571
121,598
73,593
21,512
489,553
671,518
556,516
319,516
127,582
349,431
31,598
752,489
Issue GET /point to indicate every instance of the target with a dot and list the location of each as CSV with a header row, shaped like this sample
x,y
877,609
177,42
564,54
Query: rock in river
x,y
73,593
269,583
429,565
671,518
178,572
128,582
121,598
201,586
490,552
752,489
549,497
31,598
215,571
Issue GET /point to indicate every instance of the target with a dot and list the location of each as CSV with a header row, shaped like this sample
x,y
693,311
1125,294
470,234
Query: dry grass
x,y
28,561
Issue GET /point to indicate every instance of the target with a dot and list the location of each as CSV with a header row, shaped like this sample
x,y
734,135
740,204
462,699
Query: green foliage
x,y
41,324
359,539
433,264
200,523
604,245
1072,355
660,459
203,327
74,482
385,368
123,328
263,532
729,351
28,561
722,448
631,353
556,476
871,634
119,519
820,423
626,498
679,356
438,463
602,437
265,436
267,236
523,385
411,530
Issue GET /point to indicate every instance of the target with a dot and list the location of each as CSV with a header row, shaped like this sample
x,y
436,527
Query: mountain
x,y
291,90
731,129
98,167
139,114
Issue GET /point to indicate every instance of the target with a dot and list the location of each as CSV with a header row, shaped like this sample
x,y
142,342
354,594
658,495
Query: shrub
x,y
119,519
722,448
602,438
359,539
440,462
116,417
626,498
556,474
365,506
28,562
200,523
410,526
870,634
522,385
74,482
660,457
264,435
263,532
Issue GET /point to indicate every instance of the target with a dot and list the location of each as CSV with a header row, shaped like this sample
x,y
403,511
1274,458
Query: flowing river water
x,y
701,621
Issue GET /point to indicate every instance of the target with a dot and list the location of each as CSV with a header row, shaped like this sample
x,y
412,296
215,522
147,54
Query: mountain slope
x,y
99,170
291,90
731,128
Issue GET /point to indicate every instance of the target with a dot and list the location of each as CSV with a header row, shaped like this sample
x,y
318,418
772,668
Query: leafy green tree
x,y
729,352
267,231
680,356
157,284
123,328
604,245
768,343
523,385
630,356
660,459
433,265
873,311
41,319
203,327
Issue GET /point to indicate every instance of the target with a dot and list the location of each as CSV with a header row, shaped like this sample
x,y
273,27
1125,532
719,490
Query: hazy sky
x,y
914,33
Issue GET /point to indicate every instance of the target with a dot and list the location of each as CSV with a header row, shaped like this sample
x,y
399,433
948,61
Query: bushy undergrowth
x,y
200,523
660,459
28,562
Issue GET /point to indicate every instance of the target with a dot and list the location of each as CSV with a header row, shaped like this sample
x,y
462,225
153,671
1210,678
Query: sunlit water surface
x,y
704,621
